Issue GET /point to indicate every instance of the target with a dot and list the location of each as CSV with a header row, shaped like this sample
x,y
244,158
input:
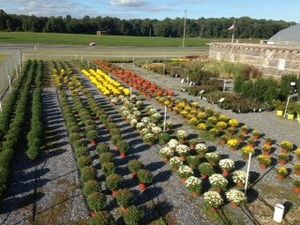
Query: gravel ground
x,y
261,181
266,122
46,192
166,195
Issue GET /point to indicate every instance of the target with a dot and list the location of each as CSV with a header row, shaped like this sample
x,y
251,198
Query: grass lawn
x,y
83,39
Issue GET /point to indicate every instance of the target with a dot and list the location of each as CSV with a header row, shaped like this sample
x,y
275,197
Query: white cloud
x,y
129,3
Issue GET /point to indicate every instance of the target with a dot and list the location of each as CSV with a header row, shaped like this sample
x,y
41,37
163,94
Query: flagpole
x,y
232,37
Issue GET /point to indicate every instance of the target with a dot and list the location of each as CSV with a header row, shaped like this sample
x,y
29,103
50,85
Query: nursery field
x,y
119,144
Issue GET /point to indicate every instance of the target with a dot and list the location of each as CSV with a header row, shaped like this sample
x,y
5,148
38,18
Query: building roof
x,y
290,35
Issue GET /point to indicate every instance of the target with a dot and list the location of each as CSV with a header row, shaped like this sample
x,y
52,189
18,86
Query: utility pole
x,y
184,28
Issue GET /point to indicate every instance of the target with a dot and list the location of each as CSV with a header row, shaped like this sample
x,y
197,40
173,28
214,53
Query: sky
x,y
158,9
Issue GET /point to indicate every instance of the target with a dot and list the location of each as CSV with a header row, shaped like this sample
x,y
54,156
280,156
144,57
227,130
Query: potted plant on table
x,y
145,177
264,161
184,172
236,197
239,178
113,183
227,165
282,172
134,166
194,184
206,170
218,182
213,200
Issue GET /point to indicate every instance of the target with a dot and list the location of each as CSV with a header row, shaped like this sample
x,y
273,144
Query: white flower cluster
x,y
182,149
145,120
226,164
201,147
134,122
217,180
181,134
175,162
156,130
140,125
185,171
114,100
148,136
151,110
239,176
193,182
166,152
173,143
236,196
212,156
213,198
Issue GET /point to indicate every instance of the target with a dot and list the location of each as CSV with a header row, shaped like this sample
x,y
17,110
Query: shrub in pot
x,y
206,170
102,218
96,201
84,161
134,166
193,161
102,148
145,177
124,198
106,157
123,148
113,183
164,138
81,151
108,168
92,136
90,187
87,173
133,216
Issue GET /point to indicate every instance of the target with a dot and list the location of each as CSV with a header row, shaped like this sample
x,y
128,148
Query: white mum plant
x,y
213,199
133,122
227,164
185,171
145,120
156,130
239,176
194,184
201,147
145,131
236,196
166,152
173,143
182,150
181,134
218,181
175,162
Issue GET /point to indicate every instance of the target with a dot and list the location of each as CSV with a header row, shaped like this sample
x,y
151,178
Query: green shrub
x,y
123,146
133,216
113,182
84,161
96,201
87,173
124,198
145,176
134,166
164,138
103,218
108,168
206,169
106,157
90,187
193,161
81,151
92,135
102,148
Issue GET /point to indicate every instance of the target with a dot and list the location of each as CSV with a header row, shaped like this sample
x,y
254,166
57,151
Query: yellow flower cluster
x,y
104,83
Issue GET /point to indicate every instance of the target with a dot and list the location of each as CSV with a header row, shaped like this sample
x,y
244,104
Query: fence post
x,y
0,106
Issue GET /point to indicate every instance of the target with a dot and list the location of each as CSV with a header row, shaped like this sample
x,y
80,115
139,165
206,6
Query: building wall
x,y
273,60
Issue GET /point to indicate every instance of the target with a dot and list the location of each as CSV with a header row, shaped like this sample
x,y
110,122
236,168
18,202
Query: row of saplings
x,y
91,187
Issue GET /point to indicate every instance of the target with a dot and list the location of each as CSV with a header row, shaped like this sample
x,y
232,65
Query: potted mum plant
x,y
212,200
239,178
145,177
149,139
236,197
175,162
286,146
245,130
297,169
182,151
297,152
113,183
233,143
267,149
223,140
201,149
194,184
269,141
297,186
282,172
233,123
164,138
283,158
134,166
212,158
184,172
256,135
193,142
173,143
206,170
166,153
193,161
227,165
218,182
264,161
181,135
246,151
92,136
124,199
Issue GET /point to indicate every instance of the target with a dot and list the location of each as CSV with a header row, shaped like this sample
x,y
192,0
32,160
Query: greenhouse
x,y
290,35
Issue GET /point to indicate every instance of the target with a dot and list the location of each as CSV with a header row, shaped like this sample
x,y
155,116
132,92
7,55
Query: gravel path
x,y
46,191
266,122
166,195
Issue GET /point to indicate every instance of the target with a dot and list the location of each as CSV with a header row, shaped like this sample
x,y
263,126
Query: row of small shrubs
x,y
35,136
10,101
16,130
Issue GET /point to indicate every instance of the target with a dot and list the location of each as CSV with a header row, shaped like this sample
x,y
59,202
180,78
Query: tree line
x,y
201,27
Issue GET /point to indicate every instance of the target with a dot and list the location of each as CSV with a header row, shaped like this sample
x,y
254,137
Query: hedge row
x,y
15,132
35,136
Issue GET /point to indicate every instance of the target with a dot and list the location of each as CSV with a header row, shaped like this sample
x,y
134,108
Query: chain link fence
x,y
9,71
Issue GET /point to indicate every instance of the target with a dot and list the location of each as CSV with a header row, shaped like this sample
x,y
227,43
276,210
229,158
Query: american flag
x,y
232,27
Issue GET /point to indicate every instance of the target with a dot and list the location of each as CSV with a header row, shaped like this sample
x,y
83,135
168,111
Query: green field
x,y
82,39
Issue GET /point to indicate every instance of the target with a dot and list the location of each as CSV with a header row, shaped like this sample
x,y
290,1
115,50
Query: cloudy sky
x,y
269,9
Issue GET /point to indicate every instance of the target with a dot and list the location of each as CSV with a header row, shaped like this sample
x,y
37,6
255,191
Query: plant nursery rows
x,y
107,146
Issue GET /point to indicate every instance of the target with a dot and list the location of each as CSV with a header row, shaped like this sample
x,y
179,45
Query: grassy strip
x,y
15,131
